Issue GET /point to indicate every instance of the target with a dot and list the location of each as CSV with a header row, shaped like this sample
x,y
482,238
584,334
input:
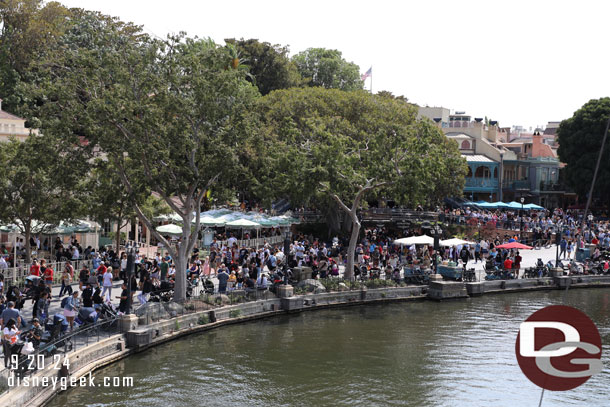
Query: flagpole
x,y
371,82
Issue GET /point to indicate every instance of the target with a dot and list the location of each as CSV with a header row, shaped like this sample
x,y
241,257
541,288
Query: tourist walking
x,y
71,306
107,284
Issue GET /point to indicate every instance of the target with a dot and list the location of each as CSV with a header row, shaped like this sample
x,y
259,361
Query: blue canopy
x,y
532,206
515,205
487,205
501,205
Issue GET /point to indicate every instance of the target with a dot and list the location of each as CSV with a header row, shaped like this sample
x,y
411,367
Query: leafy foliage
x,y
268,64
170,116
580,139
27,29
39,185
342,139
327,68
328,143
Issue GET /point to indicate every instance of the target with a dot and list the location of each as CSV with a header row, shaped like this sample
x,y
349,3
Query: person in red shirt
x,y
48,277
508,264
35,268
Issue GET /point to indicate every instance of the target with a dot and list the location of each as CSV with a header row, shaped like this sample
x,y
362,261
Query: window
x,y
465,145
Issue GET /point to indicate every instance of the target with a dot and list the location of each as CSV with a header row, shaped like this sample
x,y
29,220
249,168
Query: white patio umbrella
x,y
454,242
169,229
409,241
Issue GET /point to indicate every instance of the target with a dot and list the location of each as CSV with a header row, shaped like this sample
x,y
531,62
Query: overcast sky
x,y
518,62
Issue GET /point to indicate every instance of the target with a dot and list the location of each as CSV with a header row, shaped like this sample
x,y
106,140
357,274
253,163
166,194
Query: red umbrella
x,y
513,245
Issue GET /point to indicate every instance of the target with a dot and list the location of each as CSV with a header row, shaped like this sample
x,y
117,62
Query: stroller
x,y
50,341
164,293
86,316
208,286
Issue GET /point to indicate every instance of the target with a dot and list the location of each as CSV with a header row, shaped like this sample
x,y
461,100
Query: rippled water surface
x,y
458,353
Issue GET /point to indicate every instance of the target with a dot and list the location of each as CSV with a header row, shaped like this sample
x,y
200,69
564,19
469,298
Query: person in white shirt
x,y
3,263
107,283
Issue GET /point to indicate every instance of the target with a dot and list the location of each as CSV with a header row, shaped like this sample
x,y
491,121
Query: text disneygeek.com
x,y
64,383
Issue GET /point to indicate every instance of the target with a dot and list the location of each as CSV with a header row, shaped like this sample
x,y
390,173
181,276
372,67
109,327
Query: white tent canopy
x,y
170,229
243,224
409,241
454,242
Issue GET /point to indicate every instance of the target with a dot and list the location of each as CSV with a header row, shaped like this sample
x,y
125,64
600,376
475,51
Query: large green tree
x,y
580,139
327,68
269,65
27,29
40,185
171,116
347,146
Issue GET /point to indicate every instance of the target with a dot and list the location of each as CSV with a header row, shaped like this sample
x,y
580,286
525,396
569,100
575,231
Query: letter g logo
x,y
559,348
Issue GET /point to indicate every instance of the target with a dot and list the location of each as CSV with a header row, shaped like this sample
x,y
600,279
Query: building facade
x,y
13,126
501,166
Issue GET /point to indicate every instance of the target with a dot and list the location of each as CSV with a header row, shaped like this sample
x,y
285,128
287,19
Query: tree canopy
x,y
269,64
40,185
170,116
580,139
27,29
346,145
327,68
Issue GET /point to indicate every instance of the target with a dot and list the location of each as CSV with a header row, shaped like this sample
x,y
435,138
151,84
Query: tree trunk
x,y
351,250
28,248
118,233
181,265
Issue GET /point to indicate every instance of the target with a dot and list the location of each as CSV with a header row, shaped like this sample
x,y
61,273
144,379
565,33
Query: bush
x,y
234,313
203,319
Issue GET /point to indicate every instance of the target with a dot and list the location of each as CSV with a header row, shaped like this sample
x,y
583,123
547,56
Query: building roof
x,y
478,158
7,115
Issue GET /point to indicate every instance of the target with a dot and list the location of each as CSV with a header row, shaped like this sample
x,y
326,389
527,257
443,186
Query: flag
x,y
367,74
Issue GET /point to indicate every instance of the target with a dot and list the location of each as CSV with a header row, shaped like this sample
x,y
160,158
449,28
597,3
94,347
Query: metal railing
x,y
16,275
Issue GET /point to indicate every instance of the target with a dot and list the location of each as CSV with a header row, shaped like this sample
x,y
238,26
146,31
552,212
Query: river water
x,y
458,353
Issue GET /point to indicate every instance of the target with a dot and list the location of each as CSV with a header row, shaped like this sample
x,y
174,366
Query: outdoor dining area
x,y
251,229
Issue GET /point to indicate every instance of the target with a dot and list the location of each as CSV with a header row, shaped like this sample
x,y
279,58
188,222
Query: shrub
x,y
234,313
203,319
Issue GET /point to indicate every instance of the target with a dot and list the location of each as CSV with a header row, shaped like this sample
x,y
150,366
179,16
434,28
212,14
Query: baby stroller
x,y
164,293
50,341
208,286
107,311
86,316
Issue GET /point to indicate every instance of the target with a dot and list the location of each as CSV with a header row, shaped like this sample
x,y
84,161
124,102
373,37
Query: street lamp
x,y
557,241
287,236
437,232
521,227
131,250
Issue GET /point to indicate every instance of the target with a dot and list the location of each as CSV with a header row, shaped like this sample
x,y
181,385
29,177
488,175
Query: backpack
x,y
64,302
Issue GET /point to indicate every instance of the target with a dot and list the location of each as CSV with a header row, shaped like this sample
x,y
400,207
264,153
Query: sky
x,y
519,62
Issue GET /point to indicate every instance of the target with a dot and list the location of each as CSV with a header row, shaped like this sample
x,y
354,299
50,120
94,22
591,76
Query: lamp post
x,y
521,227
131,262
557,241
287,236
437,233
